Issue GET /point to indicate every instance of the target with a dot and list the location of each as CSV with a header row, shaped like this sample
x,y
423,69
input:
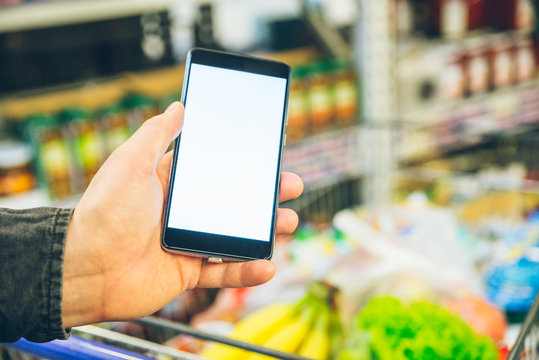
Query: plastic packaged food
x,y
513,287
16,173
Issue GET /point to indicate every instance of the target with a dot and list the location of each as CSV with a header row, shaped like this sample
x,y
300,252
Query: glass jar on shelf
x,y
16,172
452,16
452,81
298,106
524,59
501,61
346,92
320,97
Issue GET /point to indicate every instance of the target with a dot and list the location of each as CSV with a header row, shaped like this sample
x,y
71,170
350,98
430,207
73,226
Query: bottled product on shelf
x,y
52,157
465,70
323,95
69,146
81,136
446,74
113,125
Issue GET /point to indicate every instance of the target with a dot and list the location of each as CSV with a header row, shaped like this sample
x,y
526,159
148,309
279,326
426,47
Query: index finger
x,y
291,186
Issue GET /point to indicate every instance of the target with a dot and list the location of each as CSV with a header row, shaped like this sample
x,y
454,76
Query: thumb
x,y
154,136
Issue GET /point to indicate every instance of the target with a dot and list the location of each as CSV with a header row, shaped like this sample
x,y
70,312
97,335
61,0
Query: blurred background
x,y
413,123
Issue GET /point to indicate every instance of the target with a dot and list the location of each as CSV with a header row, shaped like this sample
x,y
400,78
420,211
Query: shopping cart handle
x,y
74,348
188,330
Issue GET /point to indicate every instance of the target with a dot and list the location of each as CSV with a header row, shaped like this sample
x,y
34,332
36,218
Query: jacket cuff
x,y
51,326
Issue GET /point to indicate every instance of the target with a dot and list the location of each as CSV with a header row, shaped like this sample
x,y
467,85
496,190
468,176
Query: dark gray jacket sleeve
x,y
32,245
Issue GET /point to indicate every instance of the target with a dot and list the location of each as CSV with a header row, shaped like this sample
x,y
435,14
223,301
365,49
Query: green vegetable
x,y
420,331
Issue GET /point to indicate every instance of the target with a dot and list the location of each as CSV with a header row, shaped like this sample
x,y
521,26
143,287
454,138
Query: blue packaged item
x,y
514,287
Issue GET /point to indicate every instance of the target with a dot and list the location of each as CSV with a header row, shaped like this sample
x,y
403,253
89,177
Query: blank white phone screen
x,y
229,152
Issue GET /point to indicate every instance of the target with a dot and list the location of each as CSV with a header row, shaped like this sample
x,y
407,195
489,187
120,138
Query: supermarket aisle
x,y
448,266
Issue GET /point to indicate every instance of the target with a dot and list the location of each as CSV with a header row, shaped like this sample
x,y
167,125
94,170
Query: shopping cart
x,y
527,344
93,343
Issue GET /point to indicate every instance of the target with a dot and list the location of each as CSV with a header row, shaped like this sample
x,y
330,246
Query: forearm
x,y
31,266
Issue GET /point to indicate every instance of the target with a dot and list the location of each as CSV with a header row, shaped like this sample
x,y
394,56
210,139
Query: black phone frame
x,y
215,245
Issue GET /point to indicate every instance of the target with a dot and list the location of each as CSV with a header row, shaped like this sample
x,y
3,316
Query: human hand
x,y
114,266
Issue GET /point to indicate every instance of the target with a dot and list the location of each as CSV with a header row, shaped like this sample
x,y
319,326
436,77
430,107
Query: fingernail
x,y
175,105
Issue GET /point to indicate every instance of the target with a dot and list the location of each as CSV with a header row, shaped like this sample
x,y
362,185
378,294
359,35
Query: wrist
x,y
82,287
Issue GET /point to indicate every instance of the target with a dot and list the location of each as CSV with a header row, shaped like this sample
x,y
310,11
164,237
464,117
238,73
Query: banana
x,y
290,337
254,328
317,344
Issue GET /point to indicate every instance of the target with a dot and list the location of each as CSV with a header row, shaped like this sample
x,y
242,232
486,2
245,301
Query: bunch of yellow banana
x,y
306,328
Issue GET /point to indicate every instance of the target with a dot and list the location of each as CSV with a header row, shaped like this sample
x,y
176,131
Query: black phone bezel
x,y
208,244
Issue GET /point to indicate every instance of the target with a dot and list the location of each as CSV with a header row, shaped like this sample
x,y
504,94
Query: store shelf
x,y
504,103
323,159
48,14
437,131
36,198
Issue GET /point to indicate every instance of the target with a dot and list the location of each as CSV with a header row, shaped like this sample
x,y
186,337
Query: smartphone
x,y
224,184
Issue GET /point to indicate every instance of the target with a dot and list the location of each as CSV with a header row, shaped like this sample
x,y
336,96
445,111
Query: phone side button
x,y
284,140
215,259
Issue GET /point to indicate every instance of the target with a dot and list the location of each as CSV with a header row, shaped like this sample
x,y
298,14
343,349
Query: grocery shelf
x,y
433,150
323,158
37,15
499,103
434,132
506,183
